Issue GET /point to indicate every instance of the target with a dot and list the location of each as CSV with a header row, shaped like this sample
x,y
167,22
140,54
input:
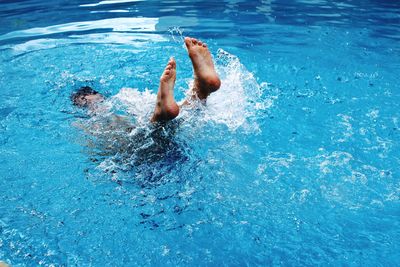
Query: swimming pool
x,y
293,162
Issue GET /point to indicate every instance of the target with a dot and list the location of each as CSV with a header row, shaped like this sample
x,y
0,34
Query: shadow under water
x,y
141,150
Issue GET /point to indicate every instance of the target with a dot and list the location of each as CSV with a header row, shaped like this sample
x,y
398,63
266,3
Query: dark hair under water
x,y
82,92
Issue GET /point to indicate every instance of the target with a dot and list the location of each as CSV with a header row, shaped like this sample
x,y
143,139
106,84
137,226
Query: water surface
x,y
294,161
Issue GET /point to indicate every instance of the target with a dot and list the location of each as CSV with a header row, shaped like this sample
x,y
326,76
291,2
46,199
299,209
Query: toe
x,y
188,42
200,43
194,41
204,45
173,62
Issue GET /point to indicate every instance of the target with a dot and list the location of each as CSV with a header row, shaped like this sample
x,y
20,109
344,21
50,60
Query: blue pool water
x,y
293,162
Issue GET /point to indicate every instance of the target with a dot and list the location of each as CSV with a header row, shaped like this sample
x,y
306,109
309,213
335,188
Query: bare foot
x,y
206,79
166,108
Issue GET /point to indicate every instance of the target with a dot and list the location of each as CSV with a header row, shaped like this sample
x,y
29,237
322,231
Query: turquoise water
x,y
293,162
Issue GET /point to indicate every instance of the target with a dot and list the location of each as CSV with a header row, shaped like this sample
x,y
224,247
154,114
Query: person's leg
x,y
206,80
166,108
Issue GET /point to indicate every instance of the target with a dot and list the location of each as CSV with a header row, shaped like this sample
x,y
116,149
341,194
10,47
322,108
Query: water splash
x,y
233,105
124,133
239,97
177,35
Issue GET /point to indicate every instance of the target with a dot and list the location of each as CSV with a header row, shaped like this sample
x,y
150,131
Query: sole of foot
x,y
166,108
206,80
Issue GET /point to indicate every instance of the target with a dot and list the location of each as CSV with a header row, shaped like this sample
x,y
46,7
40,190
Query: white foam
x,y
233,104
139,104
238,99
